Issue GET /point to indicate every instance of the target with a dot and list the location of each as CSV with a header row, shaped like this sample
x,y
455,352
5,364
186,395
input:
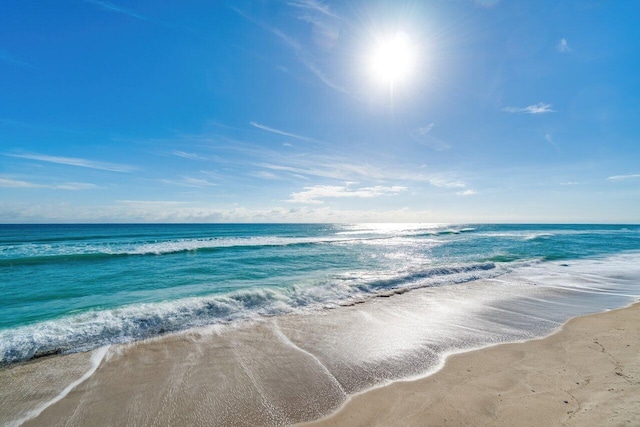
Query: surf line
x,y
96,360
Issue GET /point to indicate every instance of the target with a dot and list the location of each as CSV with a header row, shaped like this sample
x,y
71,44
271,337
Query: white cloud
x,y
444,182
550,140
13,183
466,193
132,211
425,129
423,136
313,5
190,156
265,175
150,202
303,56
188,181
74,186
279,132
539,108
325,23
336,168
329,169
73,161
563,46
623,177
117,9
312,195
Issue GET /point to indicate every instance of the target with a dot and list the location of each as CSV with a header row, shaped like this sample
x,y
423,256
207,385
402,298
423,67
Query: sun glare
x,y
393,59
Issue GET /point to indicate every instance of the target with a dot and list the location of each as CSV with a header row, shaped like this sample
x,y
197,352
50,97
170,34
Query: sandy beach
x,y
587,374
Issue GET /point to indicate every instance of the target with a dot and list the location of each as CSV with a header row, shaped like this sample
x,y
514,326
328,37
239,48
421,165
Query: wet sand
x,y
587,374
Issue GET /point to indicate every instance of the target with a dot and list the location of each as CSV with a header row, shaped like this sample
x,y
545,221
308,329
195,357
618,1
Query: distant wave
x,y
125,324
30,253
408,232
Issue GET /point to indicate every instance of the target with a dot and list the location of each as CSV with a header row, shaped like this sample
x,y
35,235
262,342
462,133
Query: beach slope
x,y
586,374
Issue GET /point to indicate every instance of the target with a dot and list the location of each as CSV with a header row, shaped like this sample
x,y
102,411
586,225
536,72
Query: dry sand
x,y
588,374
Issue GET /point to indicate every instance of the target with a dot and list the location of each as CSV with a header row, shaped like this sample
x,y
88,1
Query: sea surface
x,y
70,288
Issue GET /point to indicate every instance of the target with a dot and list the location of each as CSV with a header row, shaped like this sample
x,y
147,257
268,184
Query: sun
x,y
393,59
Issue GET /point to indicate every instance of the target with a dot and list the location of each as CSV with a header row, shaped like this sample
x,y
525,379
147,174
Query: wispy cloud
x,y
29,125
466,193
303,56
307,60
338,171
265,175
550,140
445,182
73,161
178,212
539,108
486,3
563,46
313,195
13,183
118,9
150,203
315,69
313,5
326,23
623,177
423,136
7,58
190,156
279,132
188,181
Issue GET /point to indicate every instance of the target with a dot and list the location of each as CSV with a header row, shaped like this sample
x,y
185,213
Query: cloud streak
x,y
539,108
623,177
313,195
190,156
563,46
313,5
73,186
423,136
10,59
304,57
178,212
73,161
188,181
280,132
118,9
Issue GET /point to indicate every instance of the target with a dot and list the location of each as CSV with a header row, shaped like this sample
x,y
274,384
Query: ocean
x,y
71,288
256,324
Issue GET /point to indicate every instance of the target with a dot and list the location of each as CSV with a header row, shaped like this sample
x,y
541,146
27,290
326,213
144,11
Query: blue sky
x,y
263,111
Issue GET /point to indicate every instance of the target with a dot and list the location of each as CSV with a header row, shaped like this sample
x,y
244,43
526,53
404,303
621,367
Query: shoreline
x,y
238,375
585,373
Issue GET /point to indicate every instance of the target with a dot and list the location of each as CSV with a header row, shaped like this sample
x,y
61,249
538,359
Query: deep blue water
x,y
72,287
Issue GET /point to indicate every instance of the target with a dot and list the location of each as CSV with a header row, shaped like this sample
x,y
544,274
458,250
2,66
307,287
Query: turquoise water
x,y
75,287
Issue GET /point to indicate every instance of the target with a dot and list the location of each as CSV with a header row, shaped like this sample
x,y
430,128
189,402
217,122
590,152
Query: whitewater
x,y
71,288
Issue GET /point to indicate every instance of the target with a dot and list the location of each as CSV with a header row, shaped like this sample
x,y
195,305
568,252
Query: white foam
x,y
138,321
96,358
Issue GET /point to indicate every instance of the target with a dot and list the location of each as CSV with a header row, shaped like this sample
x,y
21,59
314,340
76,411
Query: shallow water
x,y
284,369
70,288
